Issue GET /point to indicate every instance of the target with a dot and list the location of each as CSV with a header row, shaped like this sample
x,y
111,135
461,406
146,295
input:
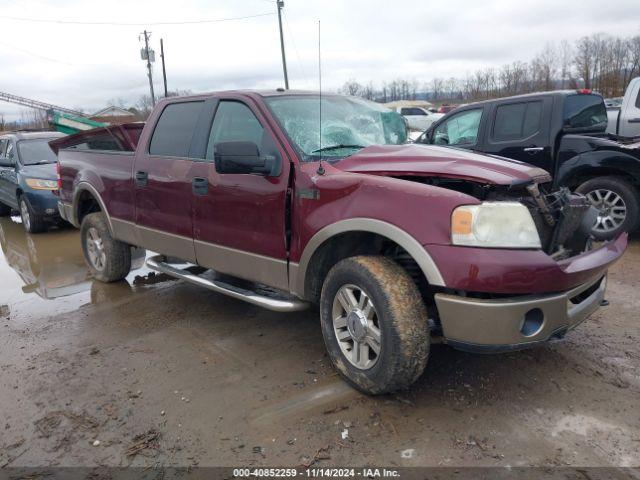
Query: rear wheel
x,y
32,222
109,260
617,204
374,324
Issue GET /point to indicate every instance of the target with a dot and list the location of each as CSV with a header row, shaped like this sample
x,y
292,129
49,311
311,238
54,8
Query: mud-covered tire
x,y
402,326
621,189
109,260
5,210
31,221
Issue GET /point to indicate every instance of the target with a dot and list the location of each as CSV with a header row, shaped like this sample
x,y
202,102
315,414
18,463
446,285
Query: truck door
x,y
629,120
239,219
521,130
163,174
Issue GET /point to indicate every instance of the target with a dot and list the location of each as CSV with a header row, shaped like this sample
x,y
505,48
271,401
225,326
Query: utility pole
x,y
147,55
164,71
284,59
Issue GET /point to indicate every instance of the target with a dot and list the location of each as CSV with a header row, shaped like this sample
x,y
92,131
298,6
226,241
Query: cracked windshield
x,y
348,125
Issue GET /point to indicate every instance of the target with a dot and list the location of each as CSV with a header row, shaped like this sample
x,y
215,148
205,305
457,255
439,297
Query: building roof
x,y
113,111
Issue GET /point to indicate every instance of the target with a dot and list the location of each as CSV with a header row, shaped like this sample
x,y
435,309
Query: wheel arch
x,y
87,200
578,178
354,237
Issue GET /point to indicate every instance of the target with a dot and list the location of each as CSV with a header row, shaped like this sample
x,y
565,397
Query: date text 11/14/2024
x,y
315,473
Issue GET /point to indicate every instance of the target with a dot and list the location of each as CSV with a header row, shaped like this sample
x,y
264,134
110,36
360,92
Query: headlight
x,y
494,224
41,184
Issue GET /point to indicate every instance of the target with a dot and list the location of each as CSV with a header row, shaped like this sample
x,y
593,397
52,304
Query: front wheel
x,y
32,222
374,324
109,260
617,204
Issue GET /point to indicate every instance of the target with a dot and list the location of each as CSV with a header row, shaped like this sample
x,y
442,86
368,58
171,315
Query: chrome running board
x,y
277,304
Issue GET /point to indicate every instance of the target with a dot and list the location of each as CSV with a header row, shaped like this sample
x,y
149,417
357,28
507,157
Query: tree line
x,y
601,62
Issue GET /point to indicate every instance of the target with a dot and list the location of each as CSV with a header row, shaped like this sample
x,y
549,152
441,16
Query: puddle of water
x,y
45,274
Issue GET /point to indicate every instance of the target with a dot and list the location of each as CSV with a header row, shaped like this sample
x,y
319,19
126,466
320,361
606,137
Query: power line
x,y
37,55
133,24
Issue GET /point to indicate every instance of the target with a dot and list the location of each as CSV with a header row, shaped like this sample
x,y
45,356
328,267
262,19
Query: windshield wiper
x,y
336,147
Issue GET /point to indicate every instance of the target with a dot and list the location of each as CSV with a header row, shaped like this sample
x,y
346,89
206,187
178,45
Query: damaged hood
x,y
433,161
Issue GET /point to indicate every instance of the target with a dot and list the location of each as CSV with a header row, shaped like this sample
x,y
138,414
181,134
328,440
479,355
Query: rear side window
x,y
175,127
517,121
638,100
584,111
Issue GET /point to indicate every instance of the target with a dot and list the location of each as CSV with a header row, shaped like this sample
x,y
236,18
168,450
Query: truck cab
x,y
562,132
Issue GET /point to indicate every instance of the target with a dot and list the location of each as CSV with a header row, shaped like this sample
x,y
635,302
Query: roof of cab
x,y
278,92
524,96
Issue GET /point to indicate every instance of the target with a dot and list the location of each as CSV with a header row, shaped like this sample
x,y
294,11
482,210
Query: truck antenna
x,y
320,170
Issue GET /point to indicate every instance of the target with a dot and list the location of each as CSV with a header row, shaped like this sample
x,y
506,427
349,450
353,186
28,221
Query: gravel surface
x,y
153,371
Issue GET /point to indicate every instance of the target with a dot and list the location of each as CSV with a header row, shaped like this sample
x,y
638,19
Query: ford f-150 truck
x,y
562,132
285,199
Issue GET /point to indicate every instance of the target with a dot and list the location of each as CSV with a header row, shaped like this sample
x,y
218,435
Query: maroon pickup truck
x,y
285,199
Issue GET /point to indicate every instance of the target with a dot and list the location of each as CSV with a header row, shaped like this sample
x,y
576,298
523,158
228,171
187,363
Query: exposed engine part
x,y
534,191
563,219
572,220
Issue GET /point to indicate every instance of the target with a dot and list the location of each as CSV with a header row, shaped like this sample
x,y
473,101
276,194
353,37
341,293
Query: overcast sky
x,y
85,66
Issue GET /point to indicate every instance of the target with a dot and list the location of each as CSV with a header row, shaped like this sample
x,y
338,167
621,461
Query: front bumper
x,y
43,203
516,322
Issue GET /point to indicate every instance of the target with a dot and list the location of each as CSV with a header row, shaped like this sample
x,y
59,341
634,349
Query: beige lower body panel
x,y
501,322
238,263
249,266
125,231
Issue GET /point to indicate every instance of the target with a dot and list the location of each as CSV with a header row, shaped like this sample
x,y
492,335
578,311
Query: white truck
x,y
625,121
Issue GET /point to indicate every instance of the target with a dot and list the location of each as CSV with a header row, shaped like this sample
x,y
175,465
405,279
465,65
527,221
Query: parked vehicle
x,y
625,120
563,133
396,242
28,178
446,108
418,117
613,102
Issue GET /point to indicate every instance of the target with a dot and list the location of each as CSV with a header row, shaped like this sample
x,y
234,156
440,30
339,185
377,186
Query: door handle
x,y
142,178
533,149
634,120
200,186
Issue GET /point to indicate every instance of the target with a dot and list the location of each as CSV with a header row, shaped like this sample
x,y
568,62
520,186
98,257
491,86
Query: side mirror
x,y
7,162
244,157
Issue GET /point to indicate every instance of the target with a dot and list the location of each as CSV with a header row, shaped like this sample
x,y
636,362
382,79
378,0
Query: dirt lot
x,y
163,373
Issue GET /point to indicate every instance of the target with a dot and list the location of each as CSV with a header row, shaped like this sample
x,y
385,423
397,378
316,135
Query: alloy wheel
x,y
95,249
356,326
25,215
612,211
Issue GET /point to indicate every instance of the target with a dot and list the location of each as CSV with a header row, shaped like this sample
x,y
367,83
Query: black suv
x,y
562,132
28,178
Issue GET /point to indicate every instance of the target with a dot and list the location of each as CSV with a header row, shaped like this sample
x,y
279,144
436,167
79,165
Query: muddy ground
x,y
167,374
